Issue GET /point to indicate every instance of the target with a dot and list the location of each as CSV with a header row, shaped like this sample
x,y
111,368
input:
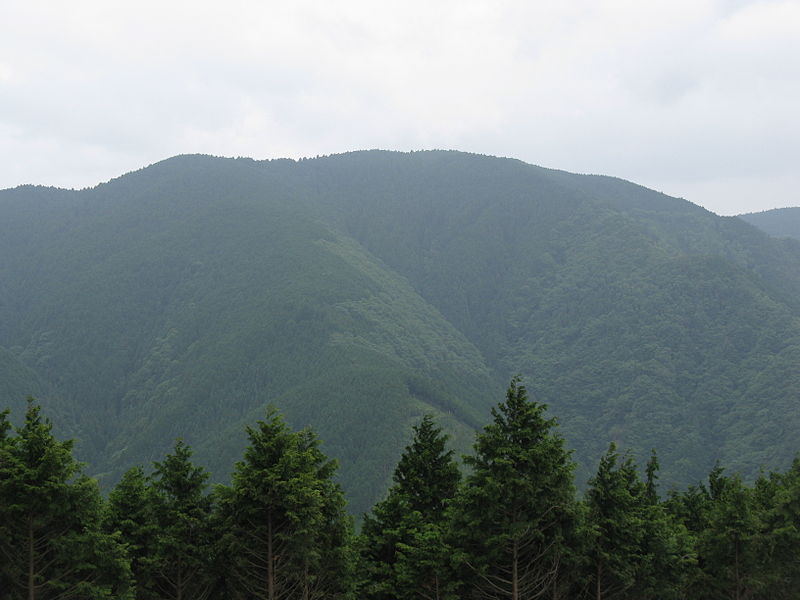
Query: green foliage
x,y
184,554
286,527
780,222
777,500
729,545
51,542
199,290
634,549
133,512
511,519
403,548
512,530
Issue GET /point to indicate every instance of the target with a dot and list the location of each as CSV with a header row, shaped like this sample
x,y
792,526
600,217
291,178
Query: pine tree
x,y
287,529
404,554
730,544
132,511
650,485
184,546
635,550
616,526
51,542
777,500
516,509
667,546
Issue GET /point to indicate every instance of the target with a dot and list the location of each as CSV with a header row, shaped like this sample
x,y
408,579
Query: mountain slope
x,y
779,222
357,291
174,308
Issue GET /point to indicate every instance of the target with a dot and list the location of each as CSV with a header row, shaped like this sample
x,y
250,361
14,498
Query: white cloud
x,y
692,94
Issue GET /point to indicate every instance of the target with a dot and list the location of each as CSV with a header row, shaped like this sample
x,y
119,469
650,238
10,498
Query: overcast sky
x,y
698,98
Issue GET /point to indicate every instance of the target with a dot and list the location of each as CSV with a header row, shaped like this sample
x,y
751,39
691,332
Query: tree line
x,y
509,525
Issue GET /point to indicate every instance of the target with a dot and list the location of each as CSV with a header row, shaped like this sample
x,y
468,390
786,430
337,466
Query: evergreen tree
x,y
404,554
183,557
51,542
6,561
635,549
516,509
777,499
730,549
670,559
287,528
650,485
132,511
616,527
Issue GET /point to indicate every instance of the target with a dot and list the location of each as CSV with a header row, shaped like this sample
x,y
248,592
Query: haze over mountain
x,y
779,222
356,292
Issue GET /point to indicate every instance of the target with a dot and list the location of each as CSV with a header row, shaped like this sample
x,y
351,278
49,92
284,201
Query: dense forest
x,y
779,222
510,525
358,292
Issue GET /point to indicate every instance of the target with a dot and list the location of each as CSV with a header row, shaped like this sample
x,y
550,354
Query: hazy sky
x,y
699,99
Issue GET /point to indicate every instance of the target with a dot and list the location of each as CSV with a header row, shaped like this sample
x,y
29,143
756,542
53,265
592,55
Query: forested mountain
x,y
356,292
779,222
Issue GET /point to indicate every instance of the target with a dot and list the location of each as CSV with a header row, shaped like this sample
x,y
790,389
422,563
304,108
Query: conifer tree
x,y
635,549
132,511
651,485
287,529
183,557
516,509
777,500
404,553
616,527
730,546
51,542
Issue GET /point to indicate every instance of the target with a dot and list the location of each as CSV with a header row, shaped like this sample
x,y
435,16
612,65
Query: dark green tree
x,y
777,500
667,546
403,550
730,545
616,527
651,480
287,530
52,546
132,511
635,549
183,558
516,510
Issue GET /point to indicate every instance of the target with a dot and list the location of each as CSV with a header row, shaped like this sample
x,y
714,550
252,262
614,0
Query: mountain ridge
x,y
182,298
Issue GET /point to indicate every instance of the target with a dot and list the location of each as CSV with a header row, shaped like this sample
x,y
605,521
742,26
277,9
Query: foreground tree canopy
x,y
513,527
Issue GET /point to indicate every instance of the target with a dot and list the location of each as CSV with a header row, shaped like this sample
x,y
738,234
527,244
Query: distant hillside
x,y
779,222
358,291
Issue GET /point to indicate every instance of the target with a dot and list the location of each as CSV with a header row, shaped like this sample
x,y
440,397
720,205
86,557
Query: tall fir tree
x,y
616,528
777,500
51,542
287,530
404,555
132,511
730,544
183,559
635,550
512,518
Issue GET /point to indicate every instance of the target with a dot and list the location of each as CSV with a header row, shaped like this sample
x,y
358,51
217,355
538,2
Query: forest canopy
x,y
511,526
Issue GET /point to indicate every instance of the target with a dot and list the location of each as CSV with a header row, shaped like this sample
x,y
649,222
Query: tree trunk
x,y
598,582
515,572
31,562
270,561
305,580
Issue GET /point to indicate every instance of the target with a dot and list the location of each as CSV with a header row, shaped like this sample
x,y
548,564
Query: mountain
x,y
779,222
356,292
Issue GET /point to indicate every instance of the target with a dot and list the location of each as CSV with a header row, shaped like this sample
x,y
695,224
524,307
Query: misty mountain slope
x,y
358,291
630,312
175,308
779,222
